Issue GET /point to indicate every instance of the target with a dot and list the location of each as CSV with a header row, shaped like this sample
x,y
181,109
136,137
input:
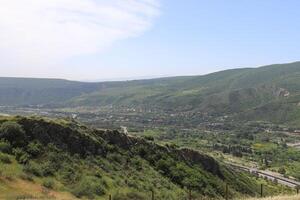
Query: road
x,y
295,145
269,175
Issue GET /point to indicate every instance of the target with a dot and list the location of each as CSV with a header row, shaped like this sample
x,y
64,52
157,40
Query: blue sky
x,y
159,38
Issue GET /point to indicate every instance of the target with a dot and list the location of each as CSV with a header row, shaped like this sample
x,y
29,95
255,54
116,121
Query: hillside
x,y
29,91
268,93
61,158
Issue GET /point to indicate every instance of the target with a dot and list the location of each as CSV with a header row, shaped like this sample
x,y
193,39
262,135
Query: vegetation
x,y
269,93
65,156
244,116
259,145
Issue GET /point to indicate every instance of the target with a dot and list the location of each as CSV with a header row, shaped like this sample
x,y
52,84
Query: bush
x,y
27,177
282,170
130,196
33,168
50,184
5,159
115,157
48,169
34,148
5,147
148,137
13,133
21,156
89,187
69,174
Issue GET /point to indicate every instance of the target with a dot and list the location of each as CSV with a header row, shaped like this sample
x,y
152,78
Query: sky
x,y
113,39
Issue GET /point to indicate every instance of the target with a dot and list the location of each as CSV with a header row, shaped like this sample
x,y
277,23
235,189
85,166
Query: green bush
x,y
282,170
70,174
27,177
148,137
48,168
130,196
89,187
5,158
13,133
21,156
5,147
34,148
50,184
33,168
115,157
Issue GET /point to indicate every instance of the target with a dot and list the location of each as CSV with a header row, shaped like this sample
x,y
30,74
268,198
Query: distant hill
x,y
29,91
43,158
265,93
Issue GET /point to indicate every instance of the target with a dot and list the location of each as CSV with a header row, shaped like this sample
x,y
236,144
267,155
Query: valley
x,y
245,122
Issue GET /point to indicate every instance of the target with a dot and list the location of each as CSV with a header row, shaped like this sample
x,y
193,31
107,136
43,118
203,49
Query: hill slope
x,y
58,157
263,93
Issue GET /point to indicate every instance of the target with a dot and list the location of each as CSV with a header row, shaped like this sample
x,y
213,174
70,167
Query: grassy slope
x,y
85,162
14,183
256,94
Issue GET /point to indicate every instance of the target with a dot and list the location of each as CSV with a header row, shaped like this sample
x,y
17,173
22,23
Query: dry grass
x,y
21,189
297,197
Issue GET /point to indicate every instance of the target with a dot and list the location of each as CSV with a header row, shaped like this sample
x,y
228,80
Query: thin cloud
x,y
43,31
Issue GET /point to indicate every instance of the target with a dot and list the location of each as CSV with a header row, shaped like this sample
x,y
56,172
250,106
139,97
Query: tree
x,y
13,133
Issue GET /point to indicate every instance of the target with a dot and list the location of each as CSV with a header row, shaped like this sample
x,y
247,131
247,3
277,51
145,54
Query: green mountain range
x,y
270,93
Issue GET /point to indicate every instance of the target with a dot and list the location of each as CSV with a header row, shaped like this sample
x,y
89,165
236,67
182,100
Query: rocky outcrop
x,y
64,137
187,155
281,92
208,163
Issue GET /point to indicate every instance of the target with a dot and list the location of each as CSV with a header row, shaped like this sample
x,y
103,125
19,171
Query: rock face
x,y
191,156
64,137
208,163
281,92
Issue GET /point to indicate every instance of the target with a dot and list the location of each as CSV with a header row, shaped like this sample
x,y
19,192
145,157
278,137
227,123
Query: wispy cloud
x,y
37,31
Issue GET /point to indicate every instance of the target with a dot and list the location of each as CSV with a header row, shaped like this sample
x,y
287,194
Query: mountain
x,y
57,158
267,93
31,91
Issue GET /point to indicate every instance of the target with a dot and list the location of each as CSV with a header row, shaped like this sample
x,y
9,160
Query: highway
x,y
268,174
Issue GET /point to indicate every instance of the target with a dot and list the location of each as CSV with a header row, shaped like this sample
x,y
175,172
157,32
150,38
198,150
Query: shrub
x,y
13,133
33,168
5,159
137,163
50,184
48,168
21,156
89,187
5,147
130,196
282,170
148,137
27,177
115,157
34,148
69,174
